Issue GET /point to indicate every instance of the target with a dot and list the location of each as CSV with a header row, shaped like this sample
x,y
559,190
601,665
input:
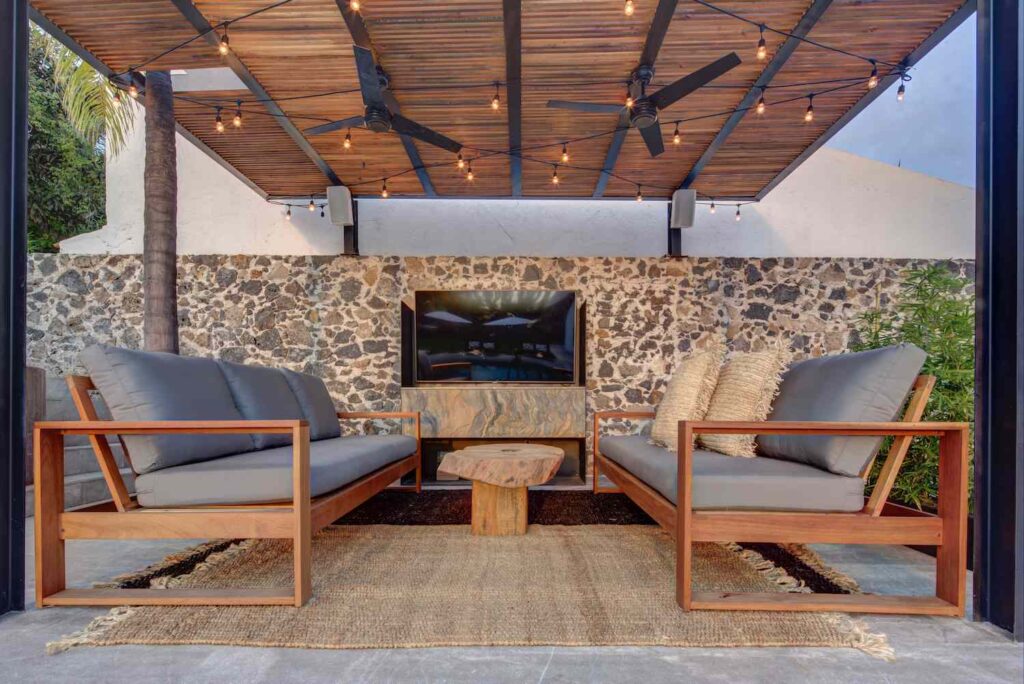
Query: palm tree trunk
x,y
160,238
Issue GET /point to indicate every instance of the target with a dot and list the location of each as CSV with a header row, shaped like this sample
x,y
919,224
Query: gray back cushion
x,y
156,386
316,404
865,386
262,394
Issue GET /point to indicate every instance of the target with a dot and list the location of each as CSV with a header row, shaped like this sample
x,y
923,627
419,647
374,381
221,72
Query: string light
x,y
676,137
237,121
133,90
901,92
347,143
628,9
225,43
353,5
809,113
738,213
762,46
712,207
554,176
219,122
384,190
629,101
288,214
639,194
321,211
760,104
312,205
460,163
495,101
469,171
565,153
873,79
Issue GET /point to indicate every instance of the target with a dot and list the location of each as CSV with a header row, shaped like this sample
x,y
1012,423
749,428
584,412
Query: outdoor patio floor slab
x,y
928,650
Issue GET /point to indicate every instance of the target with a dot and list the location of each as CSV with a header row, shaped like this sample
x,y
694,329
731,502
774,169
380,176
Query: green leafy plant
x,y
935,311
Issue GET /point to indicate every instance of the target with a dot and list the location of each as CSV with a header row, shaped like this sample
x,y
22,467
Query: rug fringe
x,y
88,635
211,561
769,570
168,562
863,640
810,558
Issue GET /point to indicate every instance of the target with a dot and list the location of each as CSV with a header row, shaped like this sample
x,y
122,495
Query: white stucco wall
x,y
835,204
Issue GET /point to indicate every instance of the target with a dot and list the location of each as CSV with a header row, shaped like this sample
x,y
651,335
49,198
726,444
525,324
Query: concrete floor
x,y
928,650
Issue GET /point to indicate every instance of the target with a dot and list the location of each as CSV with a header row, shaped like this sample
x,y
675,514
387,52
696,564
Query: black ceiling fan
x,y
381,113
643,115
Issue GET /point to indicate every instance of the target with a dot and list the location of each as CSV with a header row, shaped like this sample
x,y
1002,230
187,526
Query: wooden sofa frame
x,y
947,530
297,519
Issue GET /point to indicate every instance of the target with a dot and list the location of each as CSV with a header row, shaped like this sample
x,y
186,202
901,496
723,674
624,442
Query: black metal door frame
x,y
13,149
999,409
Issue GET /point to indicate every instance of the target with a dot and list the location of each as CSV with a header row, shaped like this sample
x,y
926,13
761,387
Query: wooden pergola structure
x,y
443,59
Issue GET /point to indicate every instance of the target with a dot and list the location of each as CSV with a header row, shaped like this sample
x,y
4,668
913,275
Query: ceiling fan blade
x,y
408,127
652,138
687,84
350,122
593,107
369,83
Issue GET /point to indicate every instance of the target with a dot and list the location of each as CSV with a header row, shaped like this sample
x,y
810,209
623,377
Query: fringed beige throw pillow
x,y
746,388
687,396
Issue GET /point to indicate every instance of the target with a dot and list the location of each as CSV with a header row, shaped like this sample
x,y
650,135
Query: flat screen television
x,y
517,336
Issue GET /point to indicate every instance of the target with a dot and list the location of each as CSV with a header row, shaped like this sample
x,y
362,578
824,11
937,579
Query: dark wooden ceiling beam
x,y
92,60
203,27
361,37
916,55
512,18
779,59
652,45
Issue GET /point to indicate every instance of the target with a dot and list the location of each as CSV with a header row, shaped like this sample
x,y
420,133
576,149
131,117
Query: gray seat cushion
x,y
316,404
734,483
266,476
865,386
262,394
156,386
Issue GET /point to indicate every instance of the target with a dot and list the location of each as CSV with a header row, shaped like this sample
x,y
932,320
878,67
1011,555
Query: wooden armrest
x,y
157,427
357,415
635,413
779,427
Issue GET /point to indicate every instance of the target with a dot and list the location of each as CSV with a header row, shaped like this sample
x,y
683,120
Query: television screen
x,y
496,336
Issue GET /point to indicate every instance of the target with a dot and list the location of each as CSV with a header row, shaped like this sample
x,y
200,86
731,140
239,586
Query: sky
x,y
932,130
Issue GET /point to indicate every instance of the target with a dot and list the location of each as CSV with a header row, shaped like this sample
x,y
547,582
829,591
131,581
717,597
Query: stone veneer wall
x,y
338,317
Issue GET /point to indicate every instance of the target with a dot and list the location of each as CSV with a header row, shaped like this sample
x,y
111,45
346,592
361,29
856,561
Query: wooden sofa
x,y
295,515
690,523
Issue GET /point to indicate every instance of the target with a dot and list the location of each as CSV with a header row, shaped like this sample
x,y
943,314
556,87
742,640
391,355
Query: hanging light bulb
x,y
224,47
712,207
237,120
737,213
873,79
384,190
495,101
321,211
639,194
901,92
629,9
288,214
117,97
347,143
629,101
219,122
353,5
762,46
133,90
554,176
809,113
761,106
677,138
460,162
312,205
565,153
469,171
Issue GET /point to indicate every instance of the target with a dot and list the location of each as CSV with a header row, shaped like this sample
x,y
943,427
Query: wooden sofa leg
x,y
951,558
301,508
49,505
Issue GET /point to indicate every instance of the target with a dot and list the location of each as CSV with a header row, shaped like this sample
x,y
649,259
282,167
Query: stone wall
x,y
338,317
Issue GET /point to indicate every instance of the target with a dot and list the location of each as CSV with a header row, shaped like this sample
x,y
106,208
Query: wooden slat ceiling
x,y
571,49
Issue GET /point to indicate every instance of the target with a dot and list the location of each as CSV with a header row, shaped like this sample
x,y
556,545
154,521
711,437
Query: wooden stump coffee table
x,y
500,474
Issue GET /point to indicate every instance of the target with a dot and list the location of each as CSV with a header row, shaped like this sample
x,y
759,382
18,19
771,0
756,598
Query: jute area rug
x,y
388,586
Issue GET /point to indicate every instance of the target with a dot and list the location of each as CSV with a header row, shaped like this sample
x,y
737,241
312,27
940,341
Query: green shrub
x,y
935,311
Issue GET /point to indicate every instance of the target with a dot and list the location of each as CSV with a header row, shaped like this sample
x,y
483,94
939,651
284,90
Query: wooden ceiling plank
x,y
361,37
916,55
202,26
782,55
655,37
512,13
